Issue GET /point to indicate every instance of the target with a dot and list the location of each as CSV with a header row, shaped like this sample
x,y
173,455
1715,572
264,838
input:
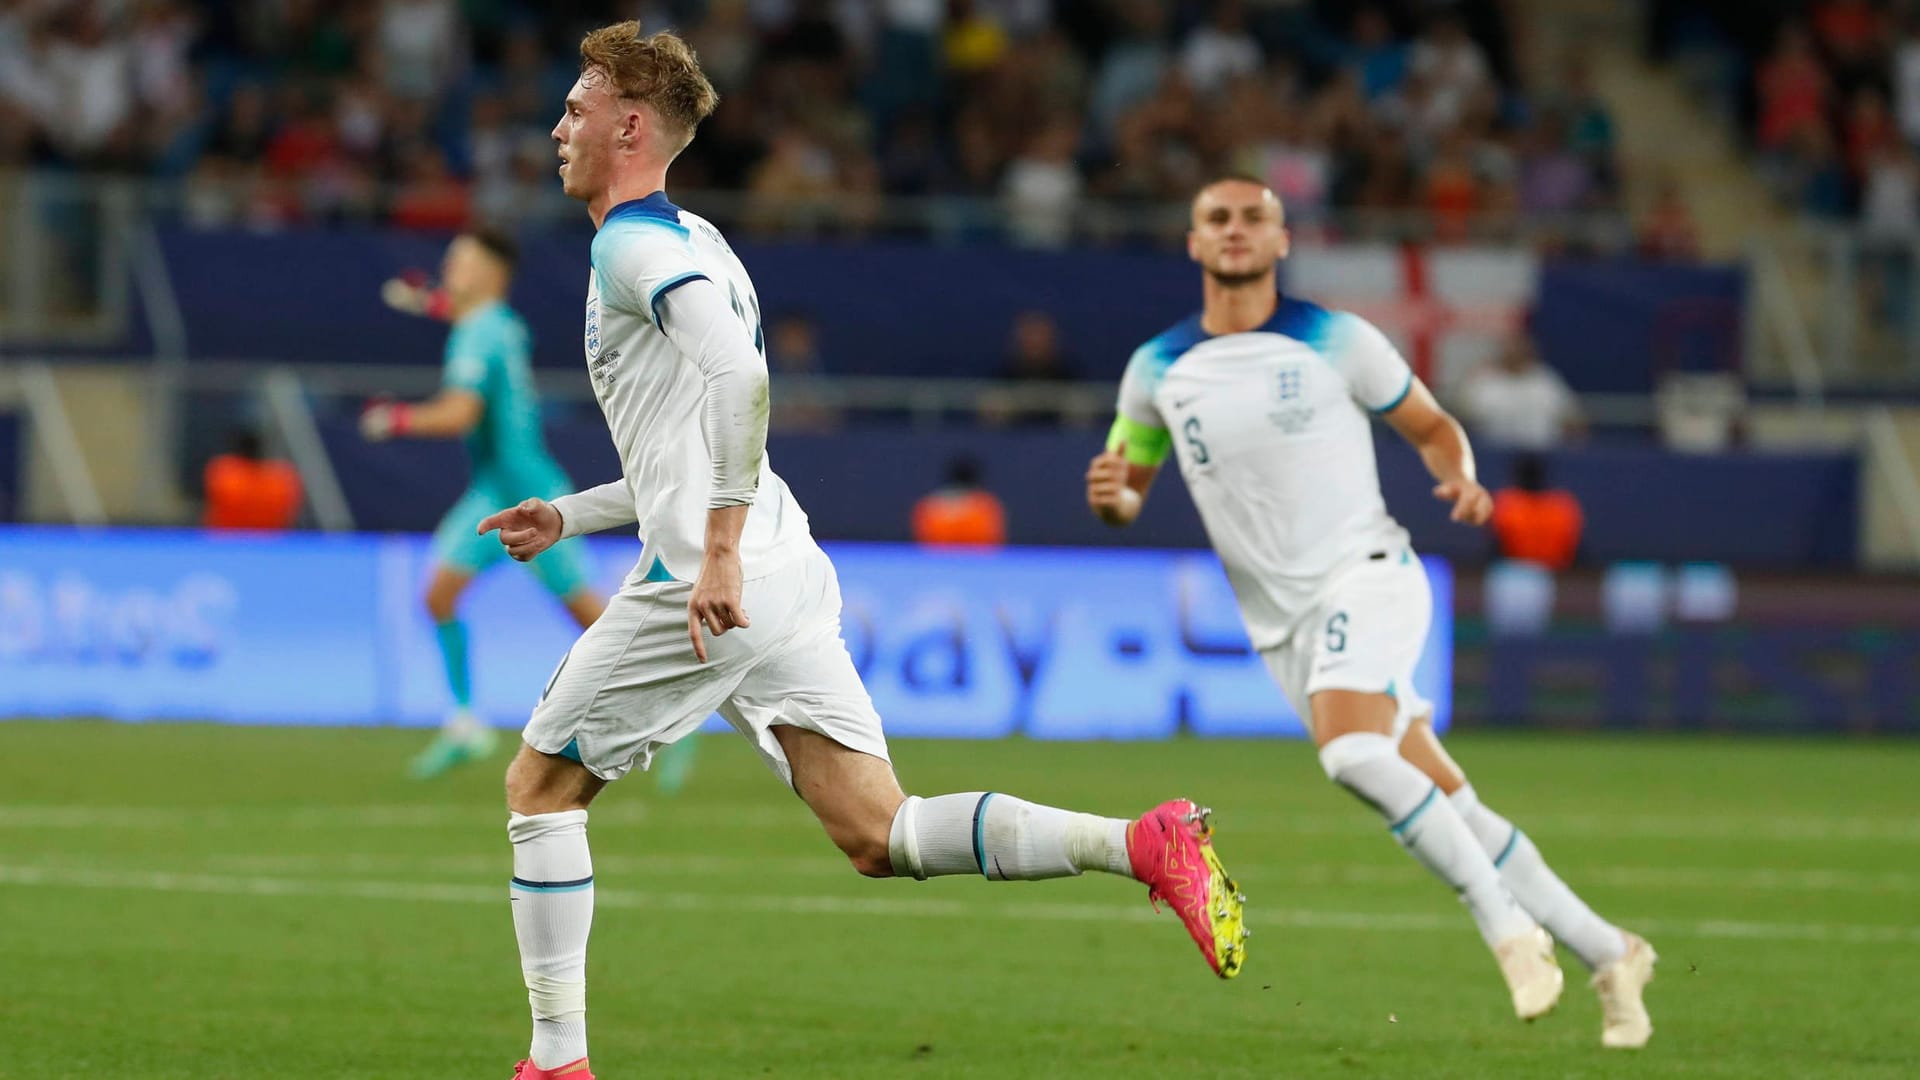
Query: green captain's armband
x,y
1145,444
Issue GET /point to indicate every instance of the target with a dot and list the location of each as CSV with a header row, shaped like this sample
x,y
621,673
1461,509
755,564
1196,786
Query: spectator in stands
x,y
793,350
1380,57
1519,402
1668,233
960,512
1533,523
1220,49
1906,80
1035,359
1132,66
1792,88
247,490
1450,62
1042,188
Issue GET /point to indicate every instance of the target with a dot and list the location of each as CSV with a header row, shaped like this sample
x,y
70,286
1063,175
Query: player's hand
x,y
403,296
382,420
1471,503
526,530
1108,493
715,604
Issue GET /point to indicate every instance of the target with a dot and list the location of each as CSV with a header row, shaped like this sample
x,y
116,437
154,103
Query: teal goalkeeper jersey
x,y
489,353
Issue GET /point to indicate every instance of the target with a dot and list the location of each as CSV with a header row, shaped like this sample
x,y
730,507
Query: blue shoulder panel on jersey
x,y
1169,345
1305,322
652,210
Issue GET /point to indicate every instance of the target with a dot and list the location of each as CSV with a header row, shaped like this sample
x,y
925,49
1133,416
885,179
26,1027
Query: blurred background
x,y
1660,257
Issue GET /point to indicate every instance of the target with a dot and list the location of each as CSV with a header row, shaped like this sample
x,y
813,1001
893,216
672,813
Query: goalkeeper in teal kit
x,y
487,400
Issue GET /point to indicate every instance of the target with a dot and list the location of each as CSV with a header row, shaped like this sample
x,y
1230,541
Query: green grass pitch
x,y
206,902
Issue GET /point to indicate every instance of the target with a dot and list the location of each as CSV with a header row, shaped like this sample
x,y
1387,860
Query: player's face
x,y
463,270
1237,232
588,133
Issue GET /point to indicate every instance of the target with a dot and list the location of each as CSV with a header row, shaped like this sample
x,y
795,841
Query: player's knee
x,y
442,604
539,783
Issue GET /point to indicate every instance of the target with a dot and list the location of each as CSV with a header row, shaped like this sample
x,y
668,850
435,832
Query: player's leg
x,y
460,555
599,715
807,713
886,833
1352,664
552,897
1622,962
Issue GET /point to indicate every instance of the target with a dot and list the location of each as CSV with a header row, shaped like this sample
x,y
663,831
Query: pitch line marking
x,y
413,891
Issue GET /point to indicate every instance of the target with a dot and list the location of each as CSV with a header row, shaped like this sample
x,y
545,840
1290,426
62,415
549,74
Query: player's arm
x,y
1444,449
449,414
700,321
531,526
1119,479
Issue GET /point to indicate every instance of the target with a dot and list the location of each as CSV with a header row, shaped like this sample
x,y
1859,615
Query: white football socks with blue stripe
x,y
1002,838
1593,939
552,894
1427,825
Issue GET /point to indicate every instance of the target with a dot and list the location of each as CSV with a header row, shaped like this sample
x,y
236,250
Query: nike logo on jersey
x,y
1181,403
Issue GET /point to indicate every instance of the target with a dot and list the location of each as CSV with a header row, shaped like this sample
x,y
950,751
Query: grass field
x,y
189,901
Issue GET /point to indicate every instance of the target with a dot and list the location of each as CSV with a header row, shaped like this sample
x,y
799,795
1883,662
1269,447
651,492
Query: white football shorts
x,y
1365,632
631,684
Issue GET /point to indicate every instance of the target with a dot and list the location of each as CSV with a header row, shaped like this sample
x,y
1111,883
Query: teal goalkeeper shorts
x,y
563,568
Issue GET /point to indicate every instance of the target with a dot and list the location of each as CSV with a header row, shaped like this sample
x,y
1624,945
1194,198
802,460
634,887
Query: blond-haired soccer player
x,y
732,606
1264,400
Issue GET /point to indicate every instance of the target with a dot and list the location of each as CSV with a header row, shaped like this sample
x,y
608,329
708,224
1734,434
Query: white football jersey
x,y
1274,440
653,395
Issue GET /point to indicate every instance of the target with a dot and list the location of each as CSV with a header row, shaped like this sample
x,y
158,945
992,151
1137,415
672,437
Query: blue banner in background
x,y
307,629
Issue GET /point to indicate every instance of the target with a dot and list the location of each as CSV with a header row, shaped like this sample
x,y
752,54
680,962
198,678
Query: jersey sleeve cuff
x,y
1141,444
1397,398
672,283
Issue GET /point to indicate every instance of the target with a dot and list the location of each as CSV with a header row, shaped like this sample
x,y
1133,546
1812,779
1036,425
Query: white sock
x,y
1427,825
552,895
1593,939
461,724
1003,838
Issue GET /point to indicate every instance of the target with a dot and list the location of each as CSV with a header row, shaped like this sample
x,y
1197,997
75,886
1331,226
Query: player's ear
x,y
1193,246
1286,242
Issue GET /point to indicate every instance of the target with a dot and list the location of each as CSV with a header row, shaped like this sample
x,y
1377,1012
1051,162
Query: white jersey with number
x,y
1272,431
654,394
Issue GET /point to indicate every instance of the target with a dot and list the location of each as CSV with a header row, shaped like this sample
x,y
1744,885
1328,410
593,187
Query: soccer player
x,y
486,399
732,605
1264,401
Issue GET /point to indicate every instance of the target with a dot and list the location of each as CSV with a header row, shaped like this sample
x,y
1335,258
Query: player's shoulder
x,y
1161,350
641,230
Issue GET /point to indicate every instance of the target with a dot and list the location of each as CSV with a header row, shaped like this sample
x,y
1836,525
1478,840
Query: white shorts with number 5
x,y
1366,632
632,685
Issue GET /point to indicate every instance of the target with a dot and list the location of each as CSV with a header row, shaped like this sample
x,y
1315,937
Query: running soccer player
x,y
732,605
487,399
1264,401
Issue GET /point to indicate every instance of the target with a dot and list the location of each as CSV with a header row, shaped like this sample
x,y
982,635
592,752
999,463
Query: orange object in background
x,y
1534,523
1538,526
960,519
961,513
248,491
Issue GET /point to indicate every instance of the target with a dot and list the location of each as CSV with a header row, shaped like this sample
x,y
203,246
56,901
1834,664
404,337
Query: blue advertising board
x,y
308,629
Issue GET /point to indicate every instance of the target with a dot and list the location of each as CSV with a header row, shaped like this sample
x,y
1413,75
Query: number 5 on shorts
x,y
1337,632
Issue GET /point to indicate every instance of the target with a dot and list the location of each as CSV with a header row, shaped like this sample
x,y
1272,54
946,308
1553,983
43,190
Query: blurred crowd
x,y
1829,95
429,113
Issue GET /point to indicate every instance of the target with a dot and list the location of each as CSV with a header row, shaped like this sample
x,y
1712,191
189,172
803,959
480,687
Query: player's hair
x,y
1241,178
657,69
497,243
